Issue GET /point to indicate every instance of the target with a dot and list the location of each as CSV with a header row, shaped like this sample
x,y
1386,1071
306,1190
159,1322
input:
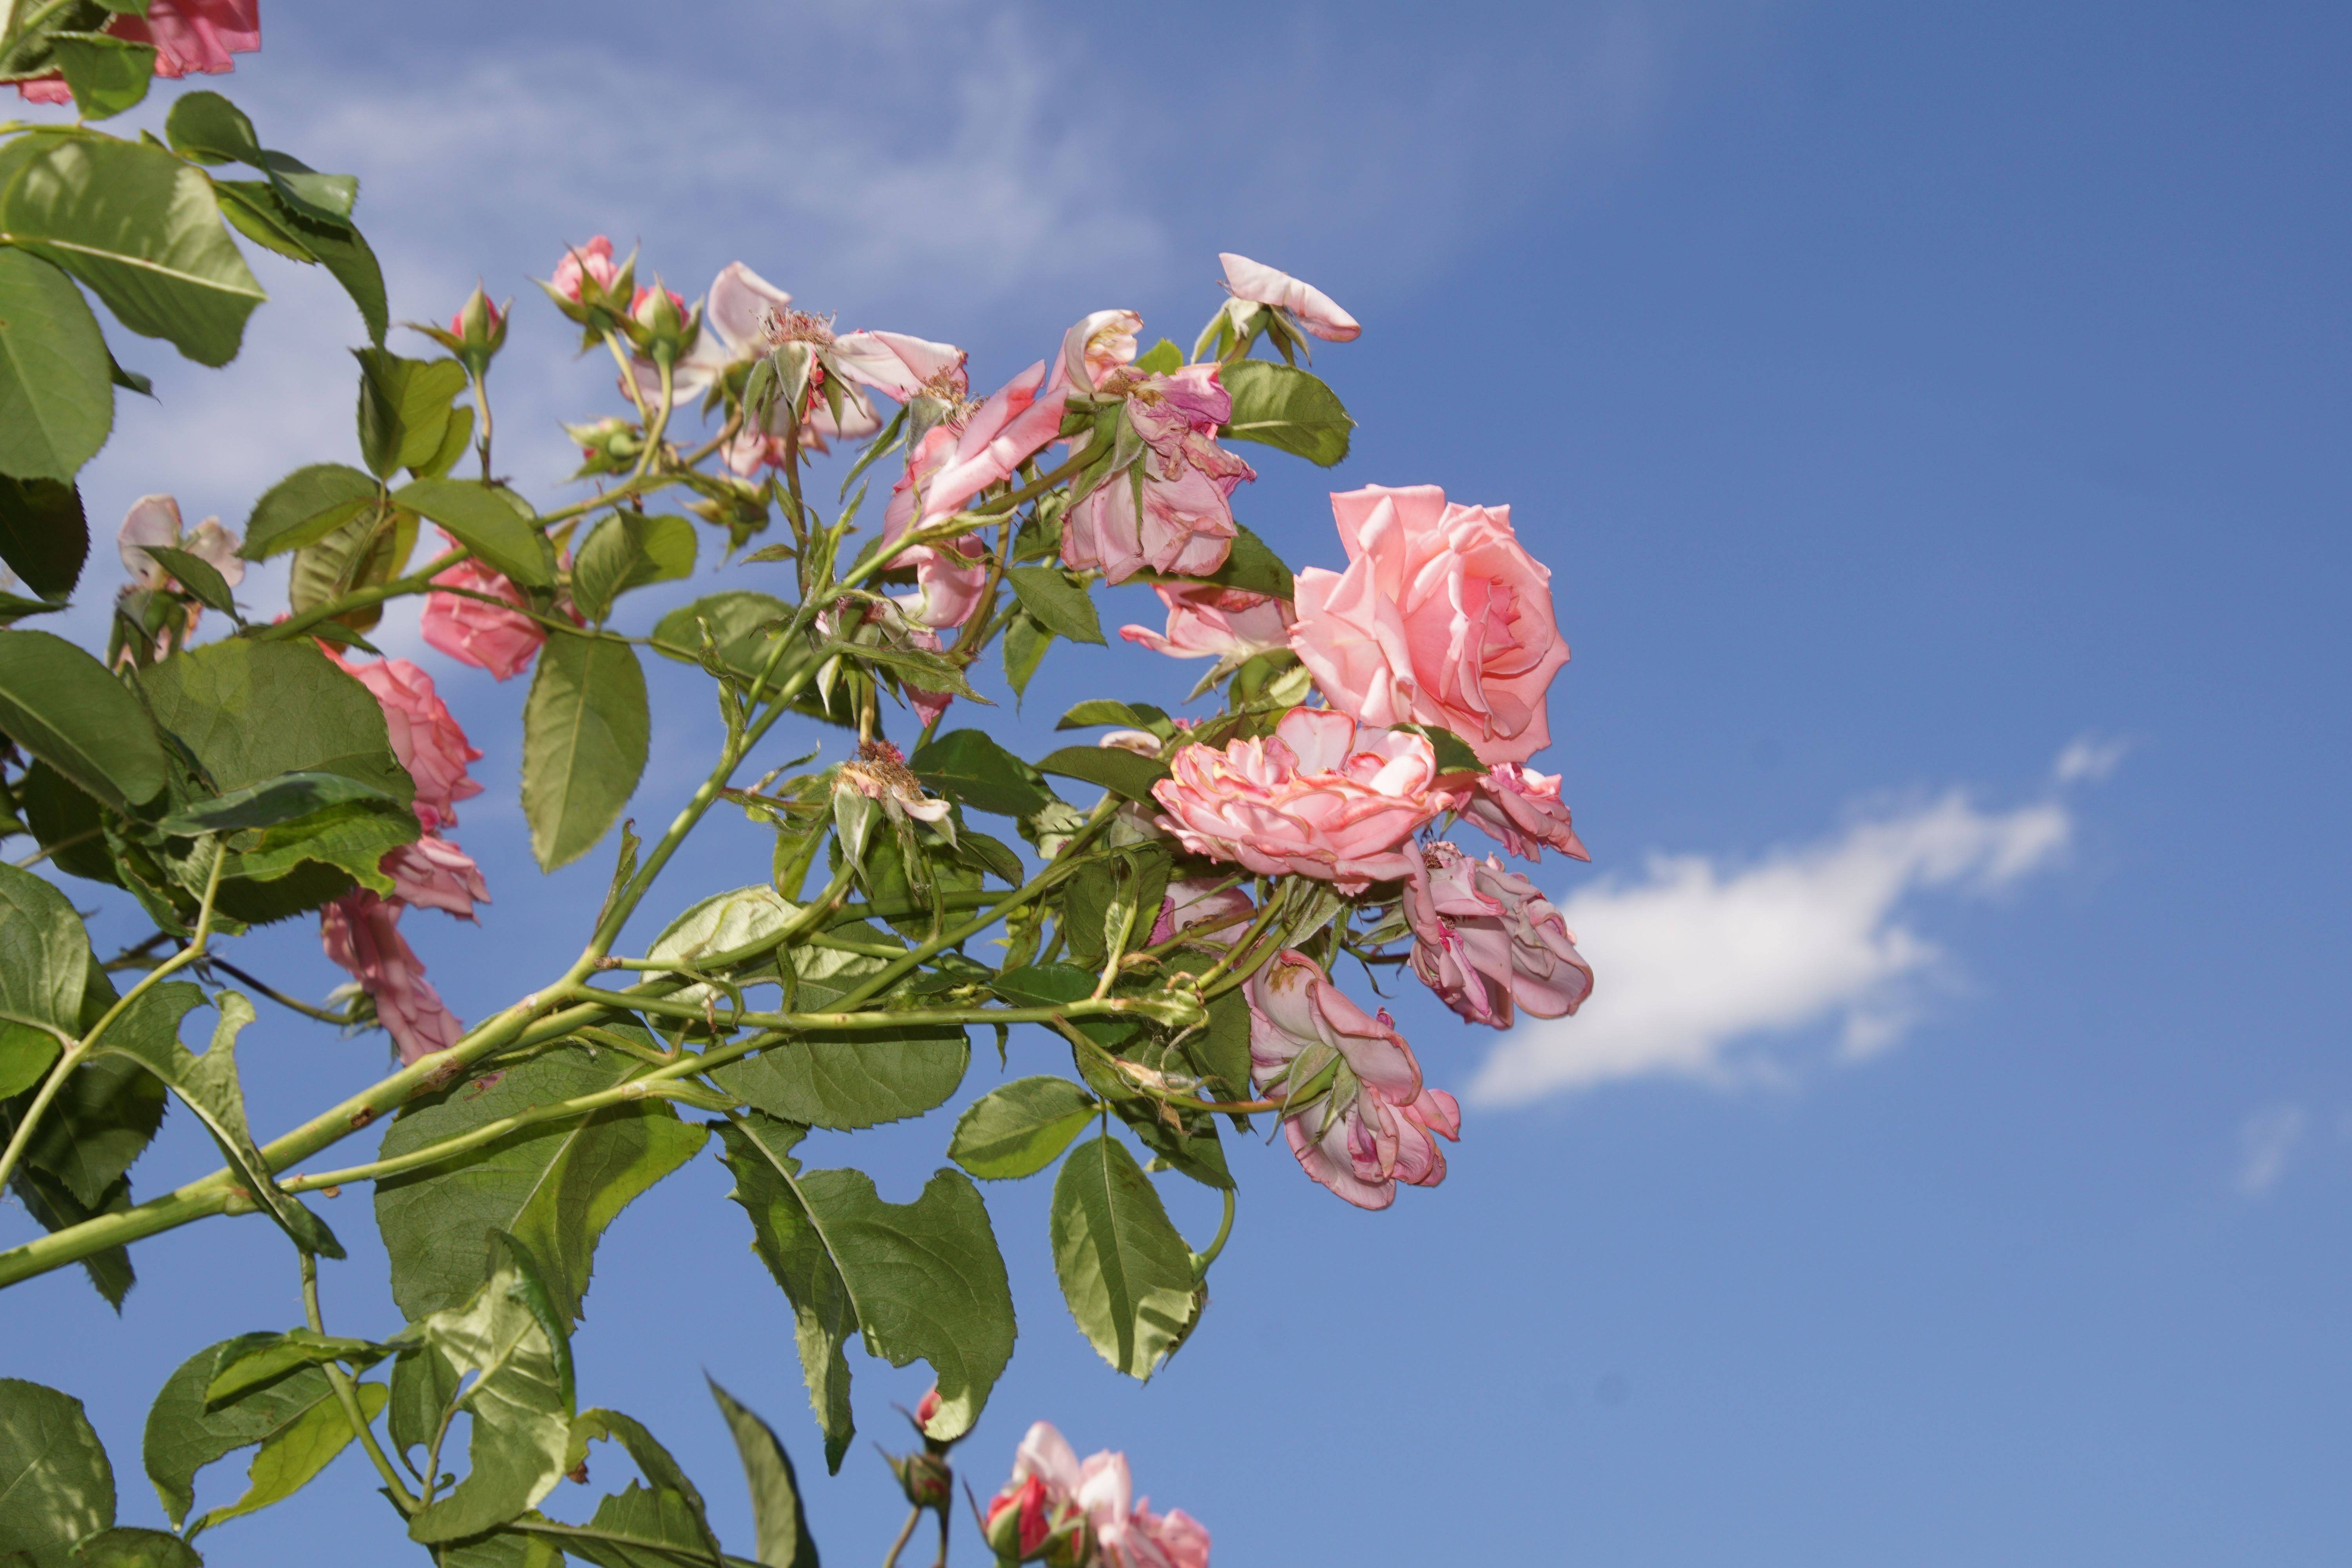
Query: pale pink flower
x,y
434,874
1099,344
949,576
954,463
593,259
1183,527
362,933
1372,1128
155,520
1489,943
1314,310
1053,1503
1200,906
189,36
471,632
424,737
1127,1534
1442,618
902,367
1208,622
1522,808
1320,797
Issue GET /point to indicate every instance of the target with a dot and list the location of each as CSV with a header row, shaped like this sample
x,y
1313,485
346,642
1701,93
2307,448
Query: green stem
x,y
283,1000
60,848
416,581
905,1533
660,421
347,1394
1201,1260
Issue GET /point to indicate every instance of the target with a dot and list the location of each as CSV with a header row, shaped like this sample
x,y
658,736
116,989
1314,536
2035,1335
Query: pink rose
x,y
1522,808
949,576
1372,1127
735,313
1054,1505
1260,284
955,462
467,630
593,260
1215,623
1319,797
1098,344
362,933
1184,526
901,367
434,874
1489,943
1440,618
1209,912
189,36
1178,417
1127,1534
425,738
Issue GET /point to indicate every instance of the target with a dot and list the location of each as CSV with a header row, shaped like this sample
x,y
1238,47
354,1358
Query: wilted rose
x,y
424,737
1522,808
1208,622
434,874
1257,283
362,933
1489,943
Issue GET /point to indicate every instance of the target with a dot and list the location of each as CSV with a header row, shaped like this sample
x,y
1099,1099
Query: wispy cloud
x,y
1706,970
2089,759
2266,1140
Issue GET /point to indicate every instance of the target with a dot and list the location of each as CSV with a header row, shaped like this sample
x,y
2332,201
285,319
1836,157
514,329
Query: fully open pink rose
x,y
425,738
190,37
434,874
1489,943
593,259
1319,797
1313,309
1215,623
1183,527
1442,618
361,933
1522,808
471,632
1372,1129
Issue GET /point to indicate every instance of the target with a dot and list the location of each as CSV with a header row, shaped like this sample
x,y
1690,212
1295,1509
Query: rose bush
x,y
1167,909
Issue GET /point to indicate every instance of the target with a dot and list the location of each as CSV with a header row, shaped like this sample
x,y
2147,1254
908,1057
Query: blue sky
x,y
1935,422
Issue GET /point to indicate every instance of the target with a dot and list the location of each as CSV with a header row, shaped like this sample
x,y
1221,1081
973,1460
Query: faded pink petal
x,y
1522,808
471,632
1440,617
362,933
1184,526
1099,344
194,36
434,874
1489,943
1207,622
152,520
899,366
424,737
1313,309
1199,905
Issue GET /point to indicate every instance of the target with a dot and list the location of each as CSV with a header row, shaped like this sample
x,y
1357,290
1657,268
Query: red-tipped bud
x,y
926,1409
926,1479
1028,1523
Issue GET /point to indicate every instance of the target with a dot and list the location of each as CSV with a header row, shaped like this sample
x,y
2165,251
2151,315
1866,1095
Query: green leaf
x,y
669,1518
1104,710
585,731
361,553
271,802
199,576
743,623
849,1078
1058,604
105,74
510,1339
1045,984
292,1456
969,766
263,215
404,408
1025,643
56,398
143,230
56,1484
1022,1127
920,1279
325,199
264,1358
1454,753
43,960
44,537
208,1086
305,506
1163,358
1252,567
1116,769
208,128
184,1434
1124,1271
1285,406
485,523
555,1187
779,1524
128,1546
62,706
628,551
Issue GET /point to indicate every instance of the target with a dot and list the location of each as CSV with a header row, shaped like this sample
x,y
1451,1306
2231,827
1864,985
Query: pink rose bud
x,y
1442,618
479,329
362,933
1028,1522
646,307
1371,1127
1320,797
1489,943
590,263
1208,622
927,1407
1522,808
425,738
1310,307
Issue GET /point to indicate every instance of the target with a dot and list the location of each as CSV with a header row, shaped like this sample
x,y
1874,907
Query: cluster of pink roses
x,y
1067,1514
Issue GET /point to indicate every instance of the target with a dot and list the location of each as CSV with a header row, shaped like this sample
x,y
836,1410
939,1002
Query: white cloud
x,y
2266,1141
2087,759
1702,967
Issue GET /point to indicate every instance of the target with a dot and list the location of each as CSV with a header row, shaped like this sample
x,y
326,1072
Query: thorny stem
x,y
347,1392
